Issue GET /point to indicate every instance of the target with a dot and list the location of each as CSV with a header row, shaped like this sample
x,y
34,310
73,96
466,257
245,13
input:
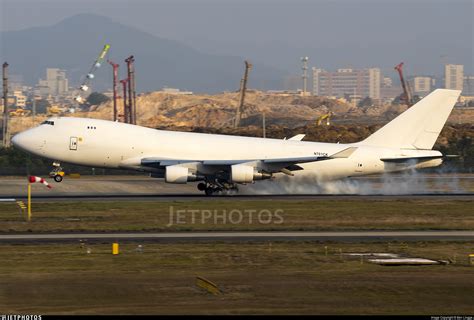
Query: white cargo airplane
x,y
222,162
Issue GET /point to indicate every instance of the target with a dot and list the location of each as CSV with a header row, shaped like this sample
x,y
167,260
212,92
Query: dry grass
x,y
288,278
400,214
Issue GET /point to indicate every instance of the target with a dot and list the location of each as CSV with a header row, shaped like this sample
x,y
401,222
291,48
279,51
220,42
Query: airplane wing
x,y
168,162
298,137
270,165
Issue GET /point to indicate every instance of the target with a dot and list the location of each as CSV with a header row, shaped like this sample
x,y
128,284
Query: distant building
x,y
421,85
56,83
284,93
453,76
41,89
387,82
343,82
175,91
10,102
468,86
20,99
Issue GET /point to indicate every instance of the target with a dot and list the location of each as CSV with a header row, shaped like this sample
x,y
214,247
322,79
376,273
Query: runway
x,y
111,188
345,236
193,197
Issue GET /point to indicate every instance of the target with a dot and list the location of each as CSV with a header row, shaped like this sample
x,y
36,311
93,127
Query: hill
x,y
164,110
75,42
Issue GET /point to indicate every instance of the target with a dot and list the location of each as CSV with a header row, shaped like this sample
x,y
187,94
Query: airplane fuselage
x,y
107,144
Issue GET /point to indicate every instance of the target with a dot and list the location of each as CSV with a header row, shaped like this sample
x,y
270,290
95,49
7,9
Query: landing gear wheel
x,y
201,186
58,178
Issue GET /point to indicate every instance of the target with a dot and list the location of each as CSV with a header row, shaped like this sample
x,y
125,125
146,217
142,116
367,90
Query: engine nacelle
x,y
240,173
177,174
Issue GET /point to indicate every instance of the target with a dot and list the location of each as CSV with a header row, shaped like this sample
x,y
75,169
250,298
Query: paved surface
x,y
346,236
194,197
144,186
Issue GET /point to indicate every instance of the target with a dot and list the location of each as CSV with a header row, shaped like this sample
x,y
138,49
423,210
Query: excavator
x,y
55,110
407,96
323,117
19,112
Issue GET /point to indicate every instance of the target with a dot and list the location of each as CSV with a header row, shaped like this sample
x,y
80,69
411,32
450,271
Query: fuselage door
x,y
73,143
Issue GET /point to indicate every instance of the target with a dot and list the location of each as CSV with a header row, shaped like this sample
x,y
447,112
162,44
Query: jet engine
x,y
178,174
240,173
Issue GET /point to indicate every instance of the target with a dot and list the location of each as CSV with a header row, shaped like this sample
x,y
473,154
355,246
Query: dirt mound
x,y
165,110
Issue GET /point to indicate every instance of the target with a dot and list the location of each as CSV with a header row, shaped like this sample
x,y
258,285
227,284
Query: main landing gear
x,y
57,173
217,187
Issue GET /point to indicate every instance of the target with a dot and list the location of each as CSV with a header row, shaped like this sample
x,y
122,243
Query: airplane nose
x,y
18,140
23,140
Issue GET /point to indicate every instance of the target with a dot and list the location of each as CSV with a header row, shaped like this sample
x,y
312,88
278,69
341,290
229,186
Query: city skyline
x,y
367,82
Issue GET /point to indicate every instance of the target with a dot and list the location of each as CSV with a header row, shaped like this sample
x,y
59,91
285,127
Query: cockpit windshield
x,y
51,123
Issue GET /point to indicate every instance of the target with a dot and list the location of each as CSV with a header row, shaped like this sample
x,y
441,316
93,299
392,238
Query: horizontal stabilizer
x,y
410,159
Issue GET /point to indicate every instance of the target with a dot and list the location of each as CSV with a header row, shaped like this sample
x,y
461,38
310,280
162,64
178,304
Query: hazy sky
x,y
338,33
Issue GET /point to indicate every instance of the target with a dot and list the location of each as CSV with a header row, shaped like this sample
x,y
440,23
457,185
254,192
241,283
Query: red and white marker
x,y
33,179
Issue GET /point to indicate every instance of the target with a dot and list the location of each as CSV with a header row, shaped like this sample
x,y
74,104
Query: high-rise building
x,y
421,85
56,82
352,82
453,76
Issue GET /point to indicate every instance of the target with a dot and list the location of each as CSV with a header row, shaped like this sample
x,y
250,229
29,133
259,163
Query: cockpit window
x,y
51,123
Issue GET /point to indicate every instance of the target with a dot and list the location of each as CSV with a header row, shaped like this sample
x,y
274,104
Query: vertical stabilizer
x,y
419,126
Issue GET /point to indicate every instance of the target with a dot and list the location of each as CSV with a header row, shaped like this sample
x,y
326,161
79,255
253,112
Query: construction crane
x,y
131,90
86,83
6,134
126,111
407,97
115,67
243,89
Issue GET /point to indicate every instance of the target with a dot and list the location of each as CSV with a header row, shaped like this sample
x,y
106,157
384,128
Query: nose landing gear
x,y
57,173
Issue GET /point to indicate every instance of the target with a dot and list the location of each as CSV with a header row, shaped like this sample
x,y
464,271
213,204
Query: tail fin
x,y
419,126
